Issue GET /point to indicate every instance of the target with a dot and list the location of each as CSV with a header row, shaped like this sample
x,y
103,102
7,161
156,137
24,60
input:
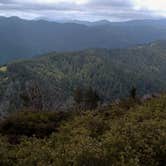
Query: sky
x,y
90,10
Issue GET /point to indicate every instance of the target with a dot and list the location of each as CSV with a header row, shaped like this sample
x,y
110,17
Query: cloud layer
x,y
113,10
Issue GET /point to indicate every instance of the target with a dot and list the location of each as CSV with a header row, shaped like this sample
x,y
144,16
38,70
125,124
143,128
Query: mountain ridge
x,y
27,38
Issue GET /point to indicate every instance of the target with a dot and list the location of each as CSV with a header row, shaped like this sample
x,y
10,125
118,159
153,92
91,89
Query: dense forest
x,y
112,73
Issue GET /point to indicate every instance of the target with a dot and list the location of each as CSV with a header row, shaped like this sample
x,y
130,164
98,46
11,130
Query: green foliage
x,y
112,136
78,95
110,72
133,93
29,123
32,96
86,98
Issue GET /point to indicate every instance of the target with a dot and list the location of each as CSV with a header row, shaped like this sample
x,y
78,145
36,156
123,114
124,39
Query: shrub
x,y
135,138
31,123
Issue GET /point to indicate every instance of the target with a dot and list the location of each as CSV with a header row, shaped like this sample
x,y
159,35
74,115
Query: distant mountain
x,y
88,23
22,38
111,72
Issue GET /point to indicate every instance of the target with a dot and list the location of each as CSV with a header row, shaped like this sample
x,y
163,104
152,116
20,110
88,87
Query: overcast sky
x,y
92,10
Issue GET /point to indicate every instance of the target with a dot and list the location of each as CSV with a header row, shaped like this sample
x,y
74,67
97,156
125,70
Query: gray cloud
x,y
112,3
114,10
6,1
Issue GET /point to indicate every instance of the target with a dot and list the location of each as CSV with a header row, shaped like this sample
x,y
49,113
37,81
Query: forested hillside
x,y
22,39
53,78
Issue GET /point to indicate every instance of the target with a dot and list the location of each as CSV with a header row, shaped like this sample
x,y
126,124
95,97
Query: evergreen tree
x,y
133,93
78,95
32,96
91,98
86,97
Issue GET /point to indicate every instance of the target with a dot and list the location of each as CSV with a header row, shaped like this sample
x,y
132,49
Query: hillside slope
x,y
111,72
112,136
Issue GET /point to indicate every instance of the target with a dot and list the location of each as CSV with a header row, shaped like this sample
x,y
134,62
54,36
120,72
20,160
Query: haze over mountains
x,y
22,38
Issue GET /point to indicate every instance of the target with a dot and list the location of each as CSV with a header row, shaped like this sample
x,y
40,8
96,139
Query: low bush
x,y
31,123
137,137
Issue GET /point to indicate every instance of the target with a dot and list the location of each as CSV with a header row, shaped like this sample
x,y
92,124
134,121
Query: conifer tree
x,y
133,93
78,95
